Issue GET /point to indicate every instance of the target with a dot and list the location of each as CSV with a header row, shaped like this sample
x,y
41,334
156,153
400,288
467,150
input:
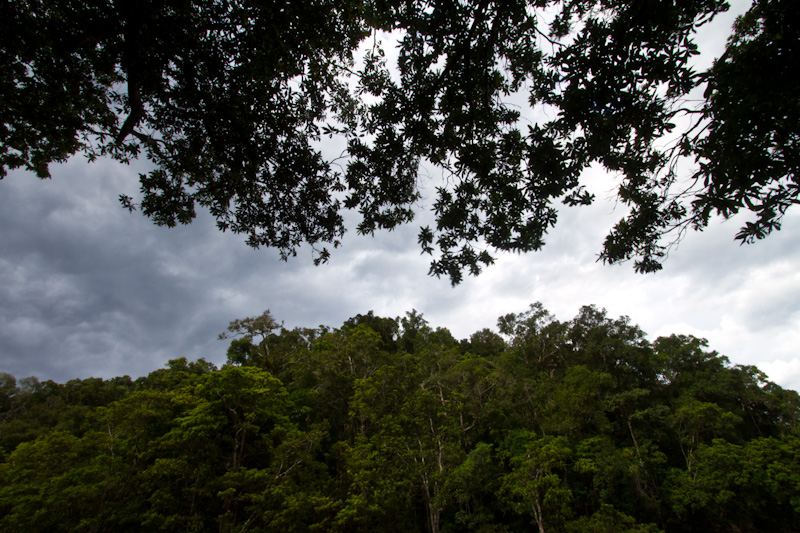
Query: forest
x,y
391,424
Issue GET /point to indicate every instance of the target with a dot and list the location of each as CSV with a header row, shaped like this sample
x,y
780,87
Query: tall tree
x,y
230,100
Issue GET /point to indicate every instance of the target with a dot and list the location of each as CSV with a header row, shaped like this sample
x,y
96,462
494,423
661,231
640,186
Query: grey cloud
x,y
90,289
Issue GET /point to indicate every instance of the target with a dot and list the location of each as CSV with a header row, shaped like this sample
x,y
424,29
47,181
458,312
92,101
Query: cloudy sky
x,y
92,290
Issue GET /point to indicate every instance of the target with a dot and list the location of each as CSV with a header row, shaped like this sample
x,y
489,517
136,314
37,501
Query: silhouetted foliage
x,y
233,101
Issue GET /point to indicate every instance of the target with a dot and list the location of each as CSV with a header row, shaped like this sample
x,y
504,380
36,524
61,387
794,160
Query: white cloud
x,y
785,372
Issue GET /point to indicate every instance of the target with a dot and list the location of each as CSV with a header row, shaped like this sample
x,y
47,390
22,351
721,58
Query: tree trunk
x,y
537,511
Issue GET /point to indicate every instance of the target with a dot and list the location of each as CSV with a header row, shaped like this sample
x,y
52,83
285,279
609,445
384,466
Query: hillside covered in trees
x,y
394,425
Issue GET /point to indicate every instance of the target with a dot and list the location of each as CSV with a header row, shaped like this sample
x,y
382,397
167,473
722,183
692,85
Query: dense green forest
x,y
394,425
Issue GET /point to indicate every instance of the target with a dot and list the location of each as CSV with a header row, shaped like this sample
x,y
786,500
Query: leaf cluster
x,y
239,104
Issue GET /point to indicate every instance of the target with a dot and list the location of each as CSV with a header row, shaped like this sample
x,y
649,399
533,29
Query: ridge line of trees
x,y
393,425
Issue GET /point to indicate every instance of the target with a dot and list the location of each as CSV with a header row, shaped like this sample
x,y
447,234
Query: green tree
x,y
244,331
230,100
60,482
574,406
471,488
8,389
178,372
535,484
751,487
536,338
387,328
609,520
484,343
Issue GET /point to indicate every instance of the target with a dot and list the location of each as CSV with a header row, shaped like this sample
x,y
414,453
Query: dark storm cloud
x,y
93,290
90,289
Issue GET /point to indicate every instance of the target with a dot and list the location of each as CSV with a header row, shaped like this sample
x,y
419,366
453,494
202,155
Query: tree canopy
x,y
390,424
236,103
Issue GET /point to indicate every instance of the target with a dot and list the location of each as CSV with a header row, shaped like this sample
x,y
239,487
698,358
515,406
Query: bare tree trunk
x,y
537,511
